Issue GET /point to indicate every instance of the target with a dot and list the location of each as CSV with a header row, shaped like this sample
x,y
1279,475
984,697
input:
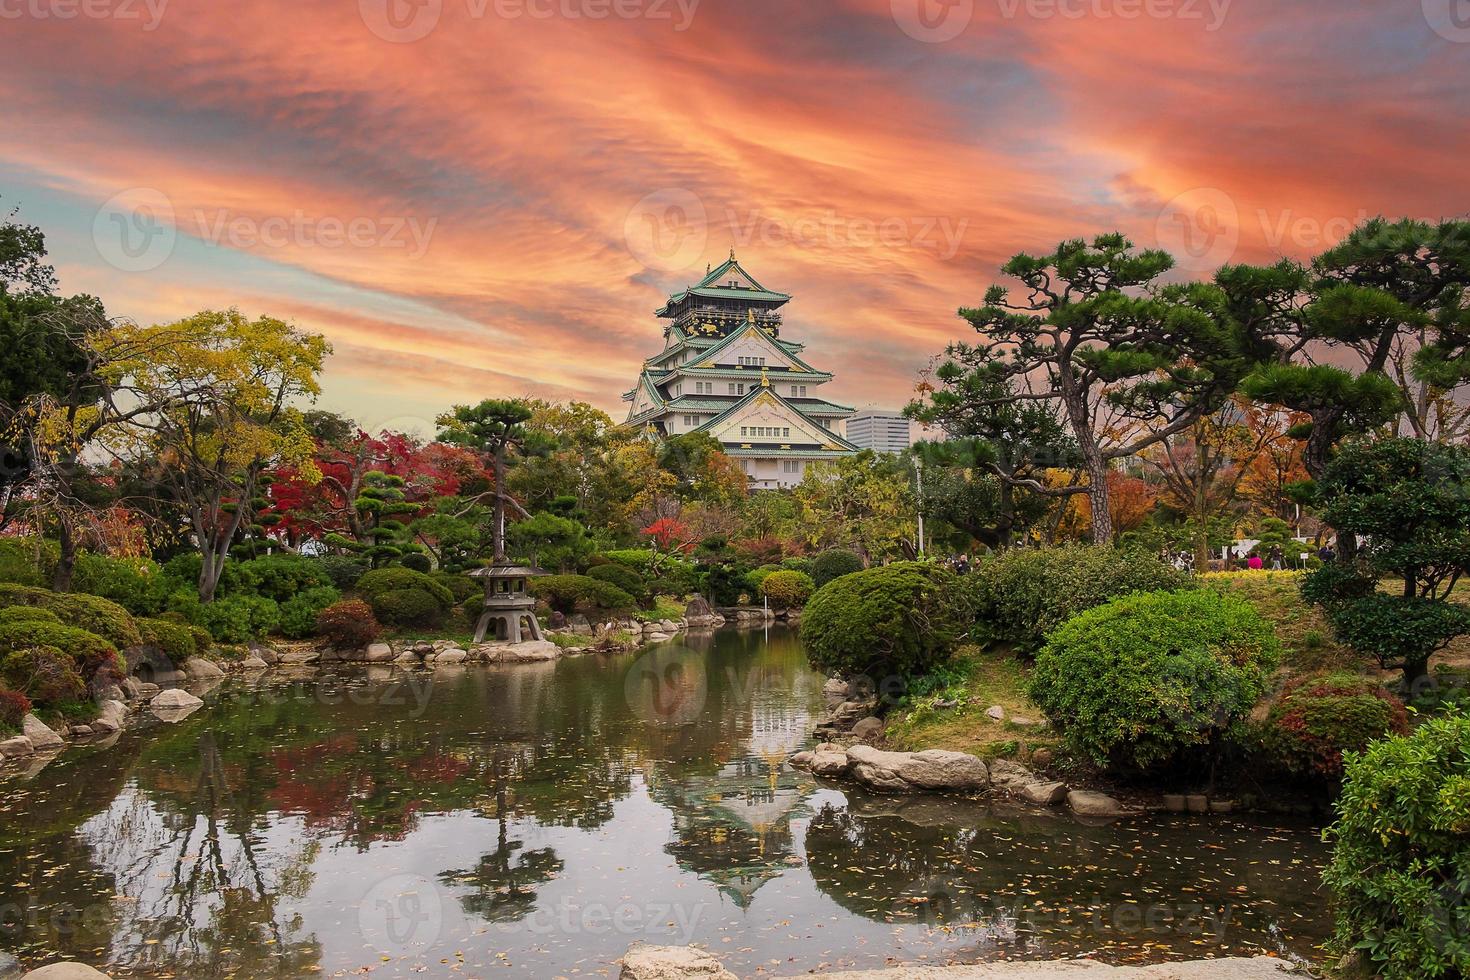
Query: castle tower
x,y
726,370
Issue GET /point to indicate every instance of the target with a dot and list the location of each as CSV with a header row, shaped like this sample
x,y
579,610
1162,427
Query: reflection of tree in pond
x,y
1044,885
504,880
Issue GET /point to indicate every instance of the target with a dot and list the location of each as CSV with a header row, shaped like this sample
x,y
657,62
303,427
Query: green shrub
x,y
343,570
787,590
178,642
348,625
756,576
45,674
1025,593
1141,680
797,564
567,593
384,580
20,561
238,618
14,706
834,564
136,584
280,577
675,578
460,586
27,614
88,612
407,607
1317,719
182,572
641,560
418,562
298,613
91,655
724,585
1400,867
623,577
901,619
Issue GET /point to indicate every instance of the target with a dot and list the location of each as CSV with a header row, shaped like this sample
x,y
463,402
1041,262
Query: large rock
x,y
1009,775
938,769
111,717
876,769
40,734
578,623
1086,803
253,662
1044,793
16,748
298,658
453,655
378,653
829,764
199,669
529,651
834,692
644,962
175,698
65,971
868,729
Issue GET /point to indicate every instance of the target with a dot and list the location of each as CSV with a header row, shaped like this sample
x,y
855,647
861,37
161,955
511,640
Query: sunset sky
x,y
477,198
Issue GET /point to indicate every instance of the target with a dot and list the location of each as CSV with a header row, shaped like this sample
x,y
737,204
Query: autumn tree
x,y
1128,361
865,501
223,392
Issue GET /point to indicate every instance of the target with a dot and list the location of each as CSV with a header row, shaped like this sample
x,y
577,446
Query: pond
x,y
537,820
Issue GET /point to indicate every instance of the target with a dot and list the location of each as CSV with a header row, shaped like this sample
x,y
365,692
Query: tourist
x,y
1278,558
1255,563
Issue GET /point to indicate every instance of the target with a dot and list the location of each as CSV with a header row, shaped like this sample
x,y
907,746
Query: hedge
x,y
94,614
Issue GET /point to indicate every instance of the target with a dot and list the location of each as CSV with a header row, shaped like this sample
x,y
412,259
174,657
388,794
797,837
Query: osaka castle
x,y
726,370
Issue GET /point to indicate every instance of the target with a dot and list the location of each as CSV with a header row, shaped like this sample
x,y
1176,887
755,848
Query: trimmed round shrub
x,y
1400,869
621,576
567,593
1138,682
1025,593
460,586
27,614
90,654
834,564
1317,719
407,607
14,706
280,577
417,562
177,641
382,580
755,577
348,625
343,570
238,618
88,612
899,619
787,590
136,584
44,674
298,614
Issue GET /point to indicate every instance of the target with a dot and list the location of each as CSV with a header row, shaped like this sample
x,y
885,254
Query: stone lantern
x,y
508,607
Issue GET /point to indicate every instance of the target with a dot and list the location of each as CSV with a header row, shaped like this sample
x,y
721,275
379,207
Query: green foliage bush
x,y
383,580
94,614
408,607
348,625
623,577
179,642
1138,682
237,618
900,619
797,564
641,560
756,576
834,564
788,589
136,584
20,562
31,614
46,675
93,657
299,613
675,578
460,586
417,562
723,584
1400,867
182,572
280,577
568,593
343,570
1025,593
1317,719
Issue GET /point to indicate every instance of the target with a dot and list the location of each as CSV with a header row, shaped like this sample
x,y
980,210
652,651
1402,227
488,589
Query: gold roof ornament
x,y
765,377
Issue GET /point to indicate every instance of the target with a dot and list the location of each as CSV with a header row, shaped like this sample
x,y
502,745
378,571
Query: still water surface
x,y
536,820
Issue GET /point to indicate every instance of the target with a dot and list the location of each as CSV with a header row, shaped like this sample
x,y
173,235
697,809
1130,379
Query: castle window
x,y
737,388
785,433
791,465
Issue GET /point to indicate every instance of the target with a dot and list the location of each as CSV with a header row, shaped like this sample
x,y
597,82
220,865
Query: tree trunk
x,y
66,562
499,505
